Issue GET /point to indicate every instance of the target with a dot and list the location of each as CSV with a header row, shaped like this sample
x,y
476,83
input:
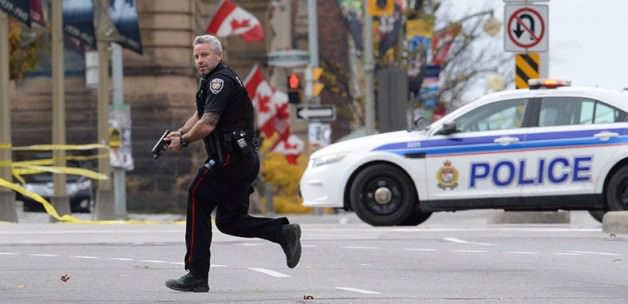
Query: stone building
x,y
160,87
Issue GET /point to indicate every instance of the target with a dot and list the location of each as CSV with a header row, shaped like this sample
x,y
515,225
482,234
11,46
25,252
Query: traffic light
x,y
294,86
381,8
317,87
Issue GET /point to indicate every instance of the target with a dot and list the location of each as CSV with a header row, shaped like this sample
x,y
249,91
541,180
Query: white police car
x,y
550,147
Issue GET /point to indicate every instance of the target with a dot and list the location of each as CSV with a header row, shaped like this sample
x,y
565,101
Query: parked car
x,y
550,147
79,189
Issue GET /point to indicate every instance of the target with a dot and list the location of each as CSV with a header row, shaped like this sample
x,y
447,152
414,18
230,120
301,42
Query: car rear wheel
x,y
383,195
617,191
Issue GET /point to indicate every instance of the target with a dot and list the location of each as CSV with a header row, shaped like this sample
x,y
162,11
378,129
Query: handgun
x,y
161,145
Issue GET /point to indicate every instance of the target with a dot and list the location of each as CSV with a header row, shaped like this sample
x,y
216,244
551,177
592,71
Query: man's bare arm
x,y
189,123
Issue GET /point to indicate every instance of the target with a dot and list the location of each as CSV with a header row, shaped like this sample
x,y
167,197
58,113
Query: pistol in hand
x,y
161,145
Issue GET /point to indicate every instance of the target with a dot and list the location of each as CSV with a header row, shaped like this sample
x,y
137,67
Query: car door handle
x,y
506,140
605,135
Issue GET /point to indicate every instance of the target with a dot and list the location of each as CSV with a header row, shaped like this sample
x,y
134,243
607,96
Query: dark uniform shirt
x,y
221,92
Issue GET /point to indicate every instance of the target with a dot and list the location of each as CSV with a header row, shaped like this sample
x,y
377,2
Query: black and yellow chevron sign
x,y
526,67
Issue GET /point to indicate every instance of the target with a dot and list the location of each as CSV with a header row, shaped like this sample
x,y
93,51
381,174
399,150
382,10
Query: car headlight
x,y
328,159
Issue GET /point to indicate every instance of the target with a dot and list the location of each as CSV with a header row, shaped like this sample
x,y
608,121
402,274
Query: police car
x,y
550,147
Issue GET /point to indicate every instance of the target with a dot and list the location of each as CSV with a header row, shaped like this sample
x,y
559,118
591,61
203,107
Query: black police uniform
x,y
224,181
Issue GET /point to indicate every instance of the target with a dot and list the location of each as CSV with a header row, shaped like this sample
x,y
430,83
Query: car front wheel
x,y
617,191
383,195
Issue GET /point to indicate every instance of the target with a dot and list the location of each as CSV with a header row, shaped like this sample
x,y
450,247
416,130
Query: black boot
x,y
189,282
291,243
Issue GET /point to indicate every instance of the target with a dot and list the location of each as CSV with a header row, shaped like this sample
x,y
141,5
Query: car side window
x,y
501,115
563,111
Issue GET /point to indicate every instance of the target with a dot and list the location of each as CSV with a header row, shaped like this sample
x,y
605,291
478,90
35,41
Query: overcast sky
x,y
588,40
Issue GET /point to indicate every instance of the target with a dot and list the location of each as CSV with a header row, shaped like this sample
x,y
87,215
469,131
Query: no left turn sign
x,y
526,28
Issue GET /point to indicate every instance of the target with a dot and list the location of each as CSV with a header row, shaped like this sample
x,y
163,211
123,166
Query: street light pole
x,y
8,211
369,69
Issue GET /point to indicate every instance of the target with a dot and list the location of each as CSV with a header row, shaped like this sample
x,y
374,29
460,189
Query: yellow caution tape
x,y
67,218
5,146
64,170
60,147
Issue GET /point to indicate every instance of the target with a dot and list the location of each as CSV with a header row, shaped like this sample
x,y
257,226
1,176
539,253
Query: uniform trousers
x,y
225,188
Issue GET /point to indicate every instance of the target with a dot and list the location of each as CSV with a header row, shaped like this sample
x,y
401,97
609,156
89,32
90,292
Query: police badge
x,y
216,85
447,176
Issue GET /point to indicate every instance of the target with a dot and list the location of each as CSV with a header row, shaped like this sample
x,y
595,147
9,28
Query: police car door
x,y
570,146
477,164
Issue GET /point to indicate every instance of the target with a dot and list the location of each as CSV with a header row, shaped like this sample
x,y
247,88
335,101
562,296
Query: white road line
x,y
360,247
470,251
419,249
308,246
152,261
87,257
565,253
269,272
521,252
8,253
251,244
122,259
43,255
455,240
362,291
596,253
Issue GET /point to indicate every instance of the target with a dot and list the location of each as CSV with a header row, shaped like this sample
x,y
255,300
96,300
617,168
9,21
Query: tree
x,y
24,45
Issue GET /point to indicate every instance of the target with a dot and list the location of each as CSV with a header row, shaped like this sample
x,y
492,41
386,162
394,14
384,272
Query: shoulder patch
x,y
216,85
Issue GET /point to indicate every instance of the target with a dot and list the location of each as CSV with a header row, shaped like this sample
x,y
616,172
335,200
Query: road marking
x,y
521,252
87,257
251,244
122,259
152,261
566,253
43,255
420,249
360,247
470,251
8,253
455,240
308,246
269,272
596,253
362,291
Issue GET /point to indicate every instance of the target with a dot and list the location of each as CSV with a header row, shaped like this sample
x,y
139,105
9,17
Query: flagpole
x,y
8,211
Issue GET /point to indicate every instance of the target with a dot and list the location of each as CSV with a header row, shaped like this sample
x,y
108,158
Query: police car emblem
x,y
447,176
216,85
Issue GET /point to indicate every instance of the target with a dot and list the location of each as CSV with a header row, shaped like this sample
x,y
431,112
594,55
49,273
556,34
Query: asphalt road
x,y
451,258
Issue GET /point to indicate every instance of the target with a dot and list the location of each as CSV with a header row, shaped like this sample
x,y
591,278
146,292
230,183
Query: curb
x,y
615,222
528,217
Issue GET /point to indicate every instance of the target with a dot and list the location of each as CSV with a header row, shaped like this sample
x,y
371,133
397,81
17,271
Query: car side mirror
x,y
419,122
448,128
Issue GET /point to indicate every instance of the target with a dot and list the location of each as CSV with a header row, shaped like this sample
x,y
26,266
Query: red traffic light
x,y
294,82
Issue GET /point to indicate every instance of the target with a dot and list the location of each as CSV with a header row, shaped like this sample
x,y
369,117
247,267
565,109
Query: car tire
x,y
598,215
417,218
617,191
383,195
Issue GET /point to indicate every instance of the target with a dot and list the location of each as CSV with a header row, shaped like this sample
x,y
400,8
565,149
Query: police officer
x,y
224,121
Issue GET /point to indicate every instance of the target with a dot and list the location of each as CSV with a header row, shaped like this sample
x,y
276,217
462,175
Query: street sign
x,y
288,58
322,112
526,28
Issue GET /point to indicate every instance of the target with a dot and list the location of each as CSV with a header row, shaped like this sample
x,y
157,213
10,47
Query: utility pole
x,y
104,194
8,211
119,173
369,68
312,39
59,198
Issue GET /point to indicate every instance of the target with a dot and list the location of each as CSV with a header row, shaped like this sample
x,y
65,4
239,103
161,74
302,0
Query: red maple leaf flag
x,y
261,94
231,19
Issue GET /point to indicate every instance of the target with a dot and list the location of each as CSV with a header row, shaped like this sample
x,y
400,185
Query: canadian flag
x,y
262,94
273,114
231,19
